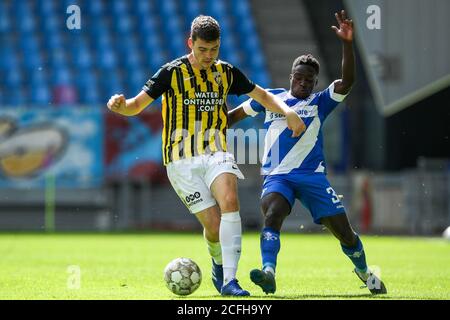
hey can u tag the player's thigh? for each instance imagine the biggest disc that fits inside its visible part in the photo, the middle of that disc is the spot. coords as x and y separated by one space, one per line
317 195
187 181
221 176
277 195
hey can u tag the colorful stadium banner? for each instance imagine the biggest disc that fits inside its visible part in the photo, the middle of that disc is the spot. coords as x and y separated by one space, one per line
64 143
133 147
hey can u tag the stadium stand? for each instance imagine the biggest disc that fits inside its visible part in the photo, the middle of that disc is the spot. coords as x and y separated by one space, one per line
121 43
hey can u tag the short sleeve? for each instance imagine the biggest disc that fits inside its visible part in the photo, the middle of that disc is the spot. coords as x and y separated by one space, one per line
241 84
252 107
329 100
158 83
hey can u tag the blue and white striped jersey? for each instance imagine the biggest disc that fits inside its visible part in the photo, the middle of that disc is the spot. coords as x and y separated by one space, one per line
284 154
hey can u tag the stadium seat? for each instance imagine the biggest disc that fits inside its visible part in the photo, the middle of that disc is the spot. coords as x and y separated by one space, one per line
13 78
16 97
95 9
5 22
8 58
40 94
61 76
47 9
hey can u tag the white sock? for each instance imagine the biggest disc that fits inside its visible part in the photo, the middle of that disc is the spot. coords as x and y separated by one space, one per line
230 234
269 269
214 249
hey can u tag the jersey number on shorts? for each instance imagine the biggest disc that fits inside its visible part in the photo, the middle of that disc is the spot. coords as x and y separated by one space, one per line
334 197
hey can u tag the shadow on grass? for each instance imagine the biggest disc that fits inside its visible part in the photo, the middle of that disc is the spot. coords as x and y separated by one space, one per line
324 296
306 297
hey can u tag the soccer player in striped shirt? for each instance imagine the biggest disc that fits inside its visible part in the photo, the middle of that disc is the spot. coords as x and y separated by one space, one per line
294 167
194 89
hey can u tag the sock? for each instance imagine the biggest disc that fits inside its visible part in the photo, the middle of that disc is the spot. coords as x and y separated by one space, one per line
230 234
356 255
214 250
270 246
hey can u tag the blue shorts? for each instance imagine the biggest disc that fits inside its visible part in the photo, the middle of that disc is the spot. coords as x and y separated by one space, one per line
312 189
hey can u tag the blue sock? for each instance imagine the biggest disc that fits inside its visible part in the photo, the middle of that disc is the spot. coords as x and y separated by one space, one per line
270 246
357 255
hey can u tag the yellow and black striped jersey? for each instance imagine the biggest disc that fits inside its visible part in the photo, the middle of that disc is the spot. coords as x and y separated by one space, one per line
194 107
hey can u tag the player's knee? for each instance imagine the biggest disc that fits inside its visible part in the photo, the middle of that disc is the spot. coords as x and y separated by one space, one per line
229 202
274 219
349 239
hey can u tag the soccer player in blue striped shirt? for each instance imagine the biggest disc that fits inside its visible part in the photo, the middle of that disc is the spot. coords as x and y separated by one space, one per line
294 168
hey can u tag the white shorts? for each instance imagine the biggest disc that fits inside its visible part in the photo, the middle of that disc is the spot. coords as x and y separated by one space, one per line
192 178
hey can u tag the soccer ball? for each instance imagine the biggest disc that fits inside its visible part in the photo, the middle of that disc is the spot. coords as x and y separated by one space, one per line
182 276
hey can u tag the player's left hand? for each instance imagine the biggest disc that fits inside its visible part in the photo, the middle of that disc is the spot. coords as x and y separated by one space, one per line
345 30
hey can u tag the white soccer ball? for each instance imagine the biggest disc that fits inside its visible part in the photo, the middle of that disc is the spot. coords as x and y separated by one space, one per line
182 276
446 233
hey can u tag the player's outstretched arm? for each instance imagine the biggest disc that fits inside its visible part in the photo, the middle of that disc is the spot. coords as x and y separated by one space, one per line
275 104
236 115
345 34
129 107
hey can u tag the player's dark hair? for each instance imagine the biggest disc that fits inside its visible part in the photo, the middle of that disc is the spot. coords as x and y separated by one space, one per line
205 28
307 59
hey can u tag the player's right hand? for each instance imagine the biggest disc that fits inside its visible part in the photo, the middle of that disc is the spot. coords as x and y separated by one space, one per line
295 123
117 103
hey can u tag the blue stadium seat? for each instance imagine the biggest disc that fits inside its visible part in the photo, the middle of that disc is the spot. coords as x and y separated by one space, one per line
143 8
133 60
191 9
111 84
33 60
37 77
218 9
82 58
40 94
91 96
147 27
95 9
241 8
8 57
61 76
168 9
119 7
29 43
58 58
47 8
136 79
53 41
16 96
124 26
106 60
13 78
5 22
52 24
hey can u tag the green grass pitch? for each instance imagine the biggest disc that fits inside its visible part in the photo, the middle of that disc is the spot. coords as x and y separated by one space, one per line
130 266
